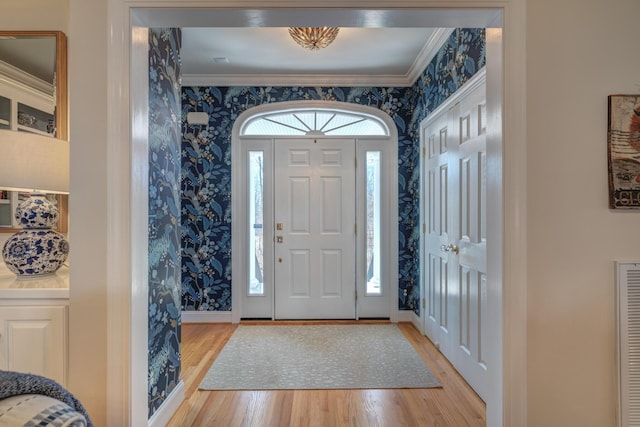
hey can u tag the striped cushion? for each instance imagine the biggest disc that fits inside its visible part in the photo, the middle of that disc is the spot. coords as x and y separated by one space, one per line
34 410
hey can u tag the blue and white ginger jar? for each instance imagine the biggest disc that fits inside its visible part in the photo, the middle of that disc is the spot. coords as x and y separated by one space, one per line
37 212
36 250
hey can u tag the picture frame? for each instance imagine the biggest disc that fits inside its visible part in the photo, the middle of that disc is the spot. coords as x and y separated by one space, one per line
623 146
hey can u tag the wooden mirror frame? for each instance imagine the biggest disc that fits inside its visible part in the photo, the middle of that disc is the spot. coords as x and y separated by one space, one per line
61 108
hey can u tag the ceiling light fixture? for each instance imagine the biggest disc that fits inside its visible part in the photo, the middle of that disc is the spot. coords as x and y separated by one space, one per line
314 38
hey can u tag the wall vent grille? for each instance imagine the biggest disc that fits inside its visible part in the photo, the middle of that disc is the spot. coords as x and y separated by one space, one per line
628 325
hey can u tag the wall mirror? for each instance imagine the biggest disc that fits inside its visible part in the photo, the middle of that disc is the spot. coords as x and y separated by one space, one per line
33 99
33 82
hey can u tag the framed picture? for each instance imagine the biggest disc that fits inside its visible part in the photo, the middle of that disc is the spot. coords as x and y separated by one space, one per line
624 151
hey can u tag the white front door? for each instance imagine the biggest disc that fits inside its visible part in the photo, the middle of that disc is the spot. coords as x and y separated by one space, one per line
455 234
314 214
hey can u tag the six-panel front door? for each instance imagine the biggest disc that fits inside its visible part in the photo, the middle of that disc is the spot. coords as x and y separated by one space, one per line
314 193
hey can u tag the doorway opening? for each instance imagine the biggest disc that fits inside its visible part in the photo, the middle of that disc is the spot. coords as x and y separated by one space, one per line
503 81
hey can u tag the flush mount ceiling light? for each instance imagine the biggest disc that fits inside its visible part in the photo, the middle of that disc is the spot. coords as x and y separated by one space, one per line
314 38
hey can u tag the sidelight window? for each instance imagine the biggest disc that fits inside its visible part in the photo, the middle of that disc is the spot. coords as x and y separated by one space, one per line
256 221
373 223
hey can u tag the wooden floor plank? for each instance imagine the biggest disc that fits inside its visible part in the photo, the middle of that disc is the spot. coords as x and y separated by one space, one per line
455 404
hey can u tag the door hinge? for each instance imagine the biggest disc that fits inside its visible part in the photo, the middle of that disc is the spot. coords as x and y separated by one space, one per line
424 303
355 229
424 151
355 295
424 228
355 162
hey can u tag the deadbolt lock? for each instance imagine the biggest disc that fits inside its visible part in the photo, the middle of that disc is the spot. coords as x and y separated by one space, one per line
279 226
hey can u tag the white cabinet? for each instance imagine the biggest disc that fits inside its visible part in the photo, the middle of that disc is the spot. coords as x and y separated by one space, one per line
33 339
26 103
5 113
8 204
34 323
6 209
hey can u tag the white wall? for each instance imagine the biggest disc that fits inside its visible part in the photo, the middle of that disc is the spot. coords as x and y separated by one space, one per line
578 53
34 15
4 237
87 205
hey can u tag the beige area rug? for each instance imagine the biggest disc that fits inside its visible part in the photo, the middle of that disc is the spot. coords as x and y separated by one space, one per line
318 357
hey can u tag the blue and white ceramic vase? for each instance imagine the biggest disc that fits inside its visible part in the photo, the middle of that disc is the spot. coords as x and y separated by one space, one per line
37 212
36 250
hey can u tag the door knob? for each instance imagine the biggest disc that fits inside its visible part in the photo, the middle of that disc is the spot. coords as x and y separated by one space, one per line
279 239
450 248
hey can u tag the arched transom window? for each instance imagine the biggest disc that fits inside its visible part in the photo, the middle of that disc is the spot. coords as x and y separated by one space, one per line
316 121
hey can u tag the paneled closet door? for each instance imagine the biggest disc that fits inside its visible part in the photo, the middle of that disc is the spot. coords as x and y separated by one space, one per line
454 164
439 274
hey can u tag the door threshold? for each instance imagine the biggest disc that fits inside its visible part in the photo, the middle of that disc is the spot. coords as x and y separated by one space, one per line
314 321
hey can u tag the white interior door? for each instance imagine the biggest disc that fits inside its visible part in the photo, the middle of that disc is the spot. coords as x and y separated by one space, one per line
455 234
314 213
469 355
438 234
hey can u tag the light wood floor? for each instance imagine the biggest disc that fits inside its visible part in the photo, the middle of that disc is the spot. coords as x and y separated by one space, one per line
455 404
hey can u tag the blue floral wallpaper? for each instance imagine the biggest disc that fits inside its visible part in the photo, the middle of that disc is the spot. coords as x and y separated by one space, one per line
457 61
459 58
206 165
164 214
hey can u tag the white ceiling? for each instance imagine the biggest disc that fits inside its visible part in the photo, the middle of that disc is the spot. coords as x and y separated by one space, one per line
35 55
373 48
269 54
377 47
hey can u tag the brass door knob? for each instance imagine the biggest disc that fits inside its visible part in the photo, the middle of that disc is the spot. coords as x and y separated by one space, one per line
450 248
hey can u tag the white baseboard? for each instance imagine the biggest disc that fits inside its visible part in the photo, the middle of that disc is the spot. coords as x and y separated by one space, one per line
417 322
225 317
404 315
206 317
169 407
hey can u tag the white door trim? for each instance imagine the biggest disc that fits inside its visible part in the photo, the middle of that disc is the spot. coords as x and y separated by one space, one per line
239 147
506 86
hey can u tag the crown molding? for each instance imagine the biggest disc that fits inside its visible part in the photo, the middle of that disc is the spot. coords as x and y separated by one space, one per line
295 80
26 80
428 52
